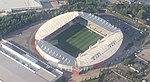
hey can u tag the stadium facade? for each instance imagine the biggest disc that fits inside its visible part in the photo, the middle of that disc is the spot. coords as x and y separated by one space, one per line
96 54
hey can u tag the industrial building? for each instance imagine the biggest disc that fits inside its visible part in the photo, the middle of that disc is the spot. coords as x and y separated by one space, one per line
16 65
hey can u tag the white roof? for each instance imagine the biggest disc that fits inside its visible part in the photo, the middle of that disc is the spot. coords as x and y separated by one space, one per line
54 52
18 4
54 24
101 51
11 71
18 68
57 22
1 81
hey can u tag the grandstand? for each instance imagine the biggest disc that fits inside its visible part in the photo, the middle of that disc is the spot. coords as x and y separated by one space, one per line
75 39
106 41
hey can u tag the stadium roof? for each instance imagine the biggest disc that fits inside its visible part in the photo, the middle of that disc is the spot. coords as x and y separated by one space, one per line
99 52
60 20
19 4
15 67
56 55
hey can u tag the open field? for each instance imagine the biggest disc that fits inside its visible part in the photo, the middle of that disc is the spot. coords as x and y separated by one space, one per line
75 39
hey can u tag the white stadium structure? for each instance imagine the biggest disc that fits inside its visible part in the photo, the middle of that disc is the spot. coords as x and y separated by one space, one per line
93 56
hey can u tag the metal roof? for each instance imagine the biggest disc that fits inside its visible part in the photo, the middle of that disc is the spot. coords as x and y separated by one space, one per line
55 53
18 4
18 68
113 38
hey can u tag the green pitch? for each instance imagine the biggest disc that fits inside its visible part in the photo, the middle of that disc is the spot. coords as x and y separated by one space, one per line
75 39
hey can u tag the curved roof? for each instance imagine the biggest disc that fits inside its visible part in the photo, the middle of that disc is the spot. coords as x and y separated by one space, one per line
99 52
60 20
54 24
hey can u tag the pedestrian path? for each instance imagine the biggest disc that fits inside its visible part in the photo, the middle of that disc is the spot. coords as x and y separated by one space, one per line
89 75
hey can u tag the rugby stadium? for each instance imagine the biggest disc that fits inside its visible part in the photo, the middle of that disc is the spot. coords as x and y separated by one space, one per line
77 41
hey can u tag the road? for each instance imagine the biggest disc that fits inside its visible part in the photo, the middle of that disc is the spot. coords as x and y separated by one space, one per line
130 32
24 36
122 76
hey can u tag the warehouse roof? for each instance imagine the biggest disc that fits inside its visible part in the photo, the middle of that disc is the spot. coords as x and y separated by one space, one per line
15 67
18 4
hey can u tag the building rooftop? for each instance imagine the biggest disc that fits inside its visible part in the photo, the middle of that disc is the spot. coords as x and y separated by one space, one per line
19 4
15 67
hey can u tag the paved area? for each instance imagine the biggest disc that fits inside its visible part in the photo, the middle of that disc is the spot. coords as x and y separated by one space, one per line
119 74
115 1
130 33
144 54
114 77
90 74
24 36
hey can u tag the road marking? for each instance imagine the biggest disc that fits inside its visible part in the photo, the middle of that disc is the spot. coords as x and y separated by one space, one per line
131 25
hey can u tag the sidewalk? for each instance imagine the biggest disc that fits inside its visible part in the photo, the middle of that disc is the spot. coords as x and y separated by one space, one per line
90 74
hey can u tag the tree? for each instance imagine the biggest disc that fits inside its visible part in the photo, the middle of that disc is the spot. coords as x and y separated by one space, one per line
0 37
16 21
94 2
140 13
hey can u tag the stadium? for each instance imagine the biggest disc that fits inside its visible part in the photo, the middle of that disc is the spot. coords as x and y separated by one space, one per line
77 41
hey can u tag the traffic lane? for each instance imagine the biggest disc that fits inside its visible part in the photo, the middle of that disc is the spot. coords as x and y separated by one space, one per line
25 35
112 18
116 21
127 29
130 33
